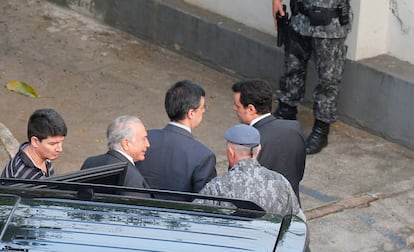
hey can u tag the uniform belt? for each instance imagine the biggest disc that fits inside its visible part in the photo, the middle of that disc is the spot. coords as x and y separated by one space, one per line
318 15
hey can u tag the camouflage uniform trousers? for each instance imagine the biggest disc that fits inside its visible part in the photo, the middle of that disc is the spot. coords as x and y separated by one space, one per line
329 56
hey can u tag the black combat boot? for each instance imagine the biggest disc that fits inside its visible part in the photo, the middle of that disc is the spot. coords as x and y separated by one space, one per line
318 138
285 111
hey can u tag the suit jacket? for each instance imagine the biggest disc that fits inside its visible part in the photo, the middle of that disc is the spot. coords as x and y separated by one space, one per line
283 148
176 161
133 177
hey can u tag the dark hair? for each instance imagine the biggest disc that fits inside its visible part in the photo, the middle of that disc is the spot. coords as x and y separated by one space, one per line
255 92
181 97
44 123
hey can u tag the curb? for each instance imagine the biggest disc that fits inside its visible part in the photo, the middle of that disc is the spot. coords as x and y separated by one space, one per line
8 141
338 206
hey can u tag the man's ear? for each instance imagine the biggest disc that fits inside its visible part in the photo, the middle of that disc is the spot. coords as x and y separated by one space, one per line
34 141
231 155
124 144
191 113
251 108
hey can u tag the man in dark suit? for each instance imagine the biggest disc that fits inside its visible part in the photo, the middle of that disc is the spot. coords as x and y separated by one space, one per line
176 160
283 142
127 142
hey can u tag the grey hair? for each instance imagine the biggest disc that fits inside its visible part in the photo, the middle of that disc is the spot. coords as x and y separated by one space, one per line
119 129
242 150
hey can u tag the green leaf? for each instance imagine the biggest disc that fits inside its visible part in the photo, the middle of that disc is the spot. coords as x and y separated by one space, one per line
22 88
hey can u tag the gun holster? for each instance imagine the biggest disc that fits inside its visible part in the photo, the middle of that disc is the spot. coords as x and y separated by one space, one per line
282 27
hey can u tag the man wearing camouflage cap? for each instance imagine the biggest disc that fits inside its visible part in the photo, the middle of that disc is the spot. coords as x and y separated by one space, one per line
247 179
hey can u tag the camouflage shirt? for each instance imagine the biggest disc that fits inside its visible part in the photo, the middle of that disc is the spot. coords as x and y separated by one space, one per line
250 181
301 23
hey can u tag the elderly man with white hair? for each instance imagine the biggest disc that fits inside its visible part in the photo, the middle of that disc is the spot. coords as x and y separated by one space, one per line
127 142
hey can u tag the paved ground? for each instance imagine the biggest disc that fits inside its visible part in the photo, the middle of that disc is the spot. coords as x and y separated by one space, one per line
358 192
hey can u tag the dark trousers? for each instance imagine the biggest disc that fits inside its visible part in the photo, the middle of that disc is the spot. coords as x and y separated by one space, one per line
329 56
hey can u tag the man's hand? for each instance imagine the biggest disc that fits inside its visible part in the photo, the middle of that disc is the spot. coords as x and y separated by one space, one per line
277 8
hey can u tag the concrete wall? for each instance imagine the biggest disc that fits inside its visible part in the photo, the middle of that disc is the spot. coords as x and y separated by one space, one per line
369 34
380 26
371 97
401 30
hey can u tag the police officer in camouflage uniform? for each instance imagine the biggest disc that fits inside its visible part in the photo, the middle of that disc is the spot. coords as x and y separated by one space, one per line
318 28
247 179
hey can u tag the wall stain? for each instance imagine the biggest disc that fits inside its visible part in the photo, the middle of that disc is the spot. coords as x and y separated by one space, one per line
394 10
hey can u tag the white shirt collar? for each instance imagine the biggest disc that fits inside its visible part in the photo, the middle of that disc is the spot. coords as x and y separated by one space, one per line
258 119
126 155
180 125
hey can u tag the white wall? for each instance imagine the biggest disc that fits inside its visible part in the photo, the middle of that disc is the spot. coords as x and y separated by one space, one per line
254 13
401 29
380 26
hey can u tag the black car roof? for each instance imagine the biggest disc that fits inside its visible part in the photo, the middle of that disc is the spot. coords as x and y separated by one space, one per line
68 225
55 216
